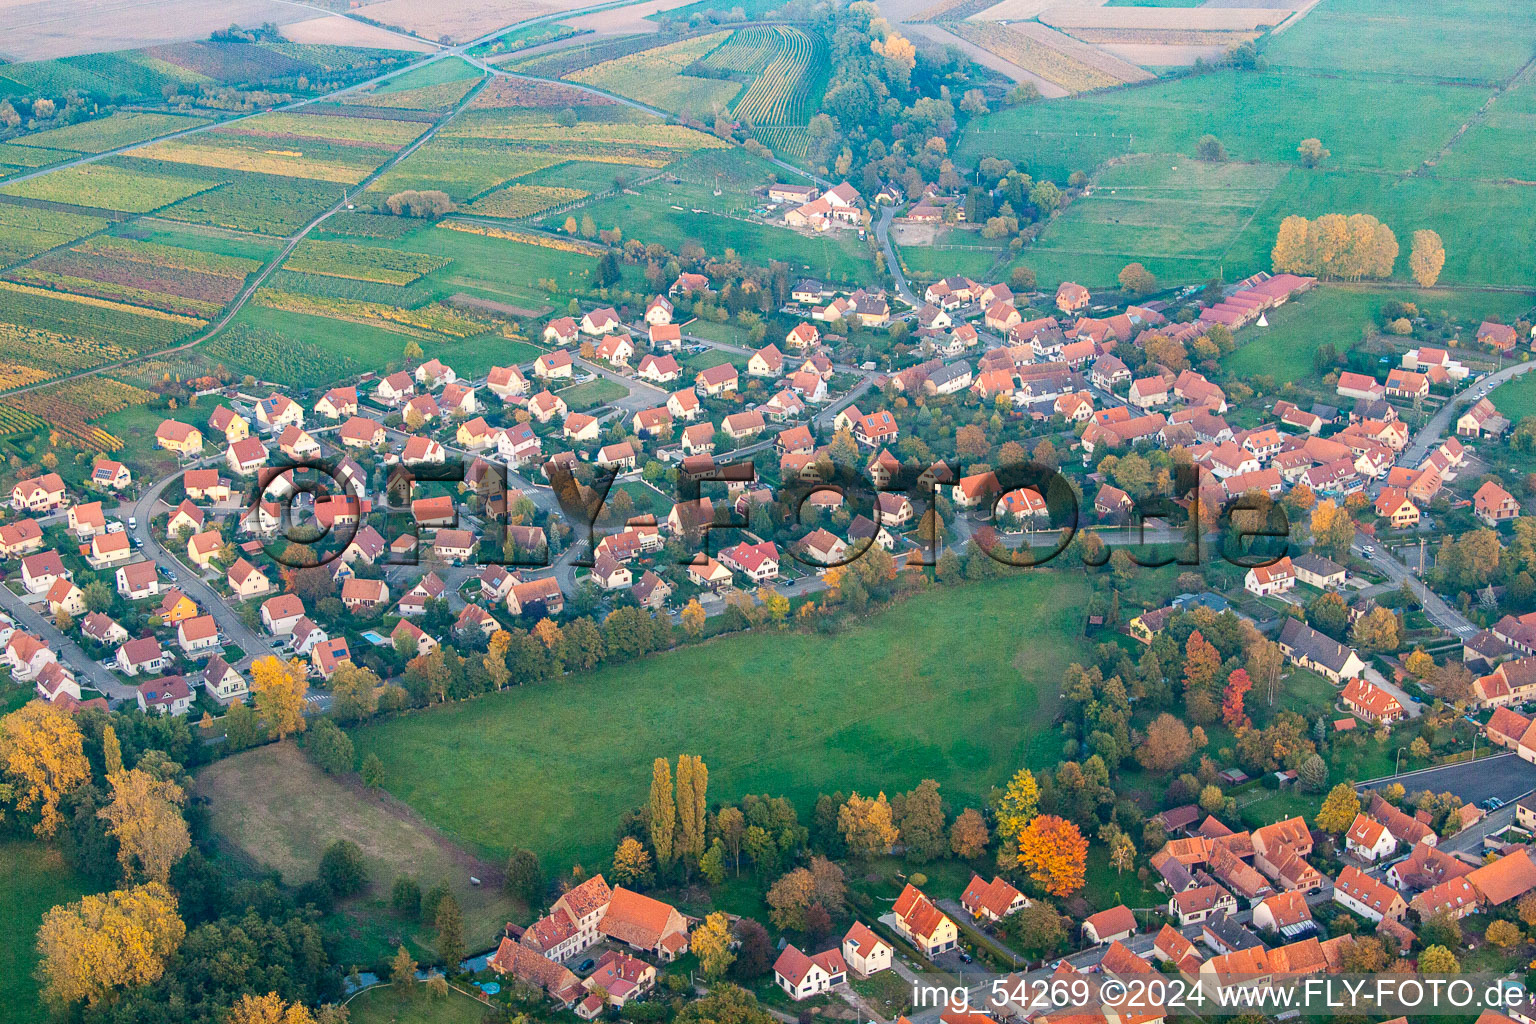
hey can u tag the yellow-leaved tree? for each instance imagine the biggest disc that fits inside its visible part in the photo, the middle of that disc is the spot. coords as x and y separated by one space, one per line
43 759
280 688
268 1009
120 939
145 818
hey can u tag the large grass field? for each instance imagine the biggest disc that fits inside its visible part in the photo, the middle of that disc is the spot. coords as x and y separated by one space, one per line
33 879
674 214
1427 155
953 685
1467 40
273 808
1174 215
1256 115
1336 313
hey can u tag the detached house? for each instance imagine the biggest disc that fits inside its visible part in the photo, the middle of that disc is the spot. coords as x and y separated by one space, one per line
38 494
198 635
716 380
864 951
804 976
39 571
1371 702
245 580
506 382
1494 505
112 475
556 365
141 655
224 420
169 695
1275 578
991 901
1306 647
181 438
923 924
25 536
246 457
138 580
337 402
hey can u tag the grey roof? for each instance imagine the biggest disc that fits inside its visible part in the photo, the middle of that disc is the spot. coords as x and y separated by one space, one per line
1229 934
949 372
1314 646
1317 564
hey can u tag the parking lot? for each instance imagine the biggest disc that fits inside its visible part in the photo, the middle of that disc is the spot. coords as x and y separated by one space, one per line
1504 776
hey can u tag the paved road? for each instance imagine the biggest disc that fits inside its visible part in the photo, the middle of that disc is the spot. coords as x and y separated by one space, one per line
86 670
188 578
892 264
1445 417
1435 607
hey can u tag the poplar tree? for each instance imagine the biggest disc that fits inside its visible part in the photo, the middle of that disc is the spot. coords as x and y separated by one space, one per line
662 814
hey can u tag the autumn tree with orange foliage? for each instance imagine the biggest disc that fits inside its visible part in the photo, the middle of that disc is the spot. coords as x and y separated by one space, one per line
1055 854
1202 664
1233 714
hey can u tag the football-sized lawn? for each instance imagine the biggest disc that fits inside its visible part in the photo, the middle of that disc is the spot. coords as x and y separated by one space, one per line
953 684
33 879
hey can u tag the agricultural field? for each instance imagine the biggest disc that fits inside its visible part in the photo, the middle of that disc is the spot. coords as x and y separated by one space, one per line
891 715
71 406
780 63
162 277
282 348
108 187
87 317
145 72
1016 47
463 168
787 143
341 162
517 201
428 323
658 77
112 132
361 262
26 231
663 212
261 203
33 879
485 149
